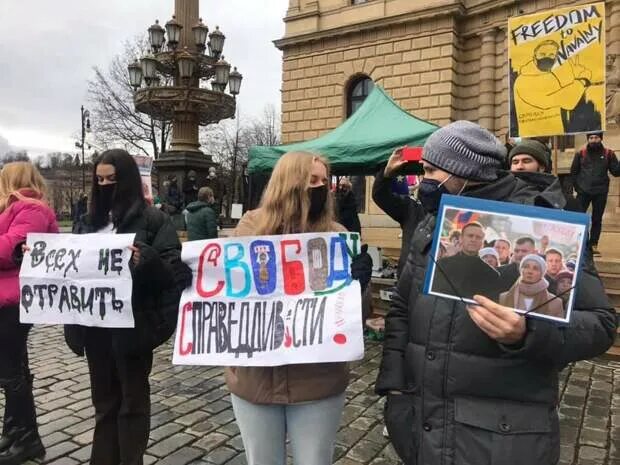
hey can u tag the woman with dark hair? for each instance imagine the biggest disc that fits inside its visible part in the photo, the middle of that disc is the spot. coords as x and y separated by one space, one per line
120 360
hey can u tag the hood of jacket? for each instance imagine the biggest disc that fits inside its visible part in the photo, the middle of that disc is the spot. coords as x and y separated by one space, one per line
506 188
548 186
196 206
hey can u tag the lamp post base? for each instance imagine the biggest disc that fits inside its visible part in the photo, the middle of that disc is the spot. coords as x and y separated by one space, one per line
174 166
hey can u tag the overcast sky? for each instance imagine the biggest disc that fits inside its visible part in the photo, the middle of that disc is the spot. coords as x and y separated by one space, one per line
49 47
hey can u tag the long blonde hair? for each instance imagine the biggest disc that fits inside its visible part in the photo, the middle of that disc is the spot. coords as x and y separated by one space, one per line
20 175
285 203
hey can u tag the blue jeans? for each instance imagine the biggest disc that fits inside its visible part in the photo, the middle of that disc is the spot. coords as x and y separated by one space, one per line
311 427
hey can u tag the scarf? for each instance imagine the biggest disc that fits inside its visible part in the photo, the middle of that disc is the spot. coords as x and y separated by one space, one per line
525 290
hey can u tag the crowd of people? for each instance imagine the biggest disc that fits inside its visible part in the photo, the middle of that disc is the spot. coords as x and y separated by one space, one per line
468 264
464 382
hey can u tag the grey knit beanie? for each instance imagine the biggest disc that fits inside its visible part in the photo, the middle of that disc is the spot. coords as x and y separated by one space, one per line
533 148
466 150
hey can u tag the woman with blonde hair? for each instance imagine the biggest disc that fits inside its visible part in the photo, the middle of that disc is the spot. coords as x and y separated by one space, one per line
23 210
303 401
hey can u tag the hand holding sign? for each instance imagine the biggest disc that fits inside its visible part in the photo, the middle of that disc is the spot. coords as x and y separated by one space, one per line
77 279
272 300
498 322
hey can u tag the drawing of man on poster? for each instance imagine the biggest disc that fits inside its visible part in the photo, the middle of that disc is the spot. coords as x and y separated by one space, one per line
542 89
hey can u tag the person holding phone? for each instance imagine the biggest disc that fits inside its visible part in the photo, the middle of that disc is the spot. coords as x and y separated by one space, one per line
407 212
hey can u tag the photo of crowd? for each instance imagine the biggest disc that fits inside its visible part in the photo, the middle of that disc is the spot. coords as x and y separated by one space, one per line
520 262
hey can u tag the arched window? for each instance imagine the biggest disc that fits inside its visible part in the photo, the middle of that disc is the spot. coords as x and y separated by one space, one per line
359 89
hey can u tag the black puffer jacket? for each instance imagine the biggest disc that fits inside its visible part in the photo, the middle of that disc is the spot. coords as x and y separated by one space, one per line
404 210
158 281
590 170
470 400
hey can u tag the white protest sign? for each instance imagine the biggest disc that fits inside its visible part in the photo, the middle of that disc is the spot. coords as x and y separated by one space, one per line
77 279
269 301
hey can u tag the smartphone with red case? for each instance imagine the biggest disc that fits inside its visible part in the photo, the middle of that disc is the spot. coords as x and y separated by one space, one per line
412 154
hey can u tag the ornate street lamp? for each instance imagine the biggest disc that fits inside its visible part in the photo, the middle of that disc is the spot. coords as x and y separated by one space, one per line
234 82
222 73
156 36
173 30
200 35
149 68
135 74
216 42
186 62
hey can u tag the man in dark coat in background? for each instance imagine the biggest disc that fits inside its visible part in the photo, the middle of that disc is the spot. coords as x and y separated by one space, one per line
346 207
478 384
589 171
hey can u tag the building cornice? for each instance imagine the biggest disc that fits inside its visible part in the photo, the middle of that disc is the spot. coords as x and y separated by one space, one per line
452 10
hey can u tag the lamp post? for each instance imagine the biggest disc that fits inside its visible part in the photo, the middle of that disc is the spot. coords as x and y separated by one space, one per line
85 114
180 52
184 52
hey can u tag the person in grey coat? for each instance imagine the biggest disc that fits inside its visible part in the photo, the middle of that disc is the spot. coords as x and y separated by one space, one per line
478 384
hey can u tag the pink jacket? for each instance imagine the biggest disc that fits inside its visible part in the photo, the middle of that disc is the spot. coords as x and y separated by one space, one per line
16 221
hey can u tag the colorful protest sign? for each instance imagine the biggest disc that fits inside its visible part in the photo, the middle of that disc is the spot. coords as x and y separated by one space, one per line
269 301
145 165
77 279
557 71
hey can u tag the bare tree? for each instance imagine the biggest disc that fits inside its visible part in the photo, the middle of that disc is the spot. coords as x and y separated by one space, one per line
11 156
229 144
114 119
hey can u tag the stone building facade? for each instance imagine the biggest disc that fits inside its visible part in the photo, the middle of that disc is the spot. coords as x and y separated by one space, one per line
441 60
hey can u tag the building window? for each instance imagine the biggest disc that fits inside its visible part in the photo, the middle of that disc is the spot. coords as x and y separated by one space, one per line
358 2
358 91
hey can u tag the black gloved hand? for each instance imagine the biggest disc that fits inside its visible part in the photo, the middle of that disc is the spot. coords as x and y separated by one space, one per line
361 267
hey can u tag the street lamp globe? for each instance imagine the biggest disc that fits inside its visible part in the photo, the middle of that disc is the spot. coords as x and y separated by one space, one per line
222 73
234 82
135 74
200 34
173 30
156 36
186 64
216 42
149 67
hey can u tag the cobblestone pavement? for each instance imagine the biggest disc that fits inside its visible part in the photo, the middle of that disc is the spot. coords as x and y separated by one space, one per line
192 419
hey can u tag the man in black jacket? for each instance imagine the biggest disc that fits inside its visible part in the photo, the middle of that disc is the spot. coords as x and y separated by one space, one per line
591 180
346 206
478 384
465 274
406 211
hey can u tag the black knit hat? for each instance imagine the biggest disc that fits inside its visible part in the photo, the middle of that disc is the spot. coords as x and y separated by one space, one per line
535 149
599 133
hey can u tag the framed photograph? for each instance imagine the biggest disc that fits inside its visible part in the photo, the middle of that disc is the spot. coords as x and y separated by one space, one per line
523 257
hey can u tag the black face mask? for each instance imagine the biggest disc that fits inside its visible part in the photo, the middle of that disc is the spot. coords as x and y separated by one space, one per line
318 198
430 192
545 64
106 197
595 146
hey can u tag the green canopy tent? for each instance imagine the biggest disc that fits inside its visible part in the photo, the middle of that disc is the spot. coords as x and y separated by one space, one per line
360 144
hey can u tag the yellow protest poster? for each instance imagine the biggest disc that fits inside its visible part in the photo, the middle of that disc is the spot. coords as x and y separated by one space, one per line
557 71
